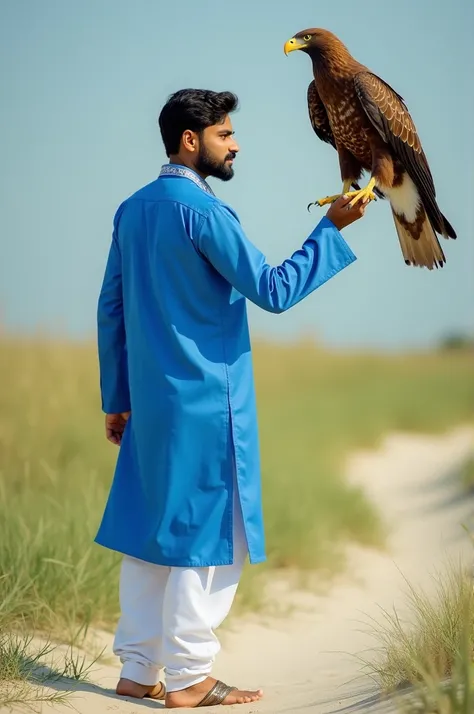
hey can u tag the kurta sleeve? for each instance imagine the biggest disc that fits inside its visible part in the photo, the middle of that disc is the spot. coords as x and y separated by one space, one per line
222 241
112 345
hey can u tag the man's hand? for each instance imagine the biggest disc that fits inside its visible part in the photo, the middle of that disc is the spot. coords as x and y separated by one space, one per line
342 215
115 426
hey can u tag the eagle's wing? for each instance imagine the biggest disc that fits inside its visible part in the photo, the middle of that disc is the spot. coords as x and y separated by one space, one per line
389 114
318 116
320 123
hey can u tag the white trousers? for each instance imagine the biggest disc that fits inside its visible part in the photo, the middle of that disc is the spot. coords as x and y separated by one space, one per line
168 616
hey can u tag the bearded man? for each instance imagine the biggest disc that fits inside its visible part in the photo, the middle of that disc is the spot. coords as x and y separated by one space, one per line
177 389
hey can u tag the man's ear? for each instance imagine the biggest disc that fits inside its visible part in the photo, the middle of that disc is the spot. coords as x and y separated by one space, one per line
189 140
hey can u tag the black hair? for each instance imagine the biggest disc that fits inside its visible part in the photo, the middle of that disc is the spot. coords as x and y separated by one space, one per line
193 109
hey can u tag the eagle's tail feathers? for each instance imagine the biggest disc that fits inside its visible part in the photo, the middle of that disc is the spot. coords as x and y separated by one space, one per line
448 231
418 241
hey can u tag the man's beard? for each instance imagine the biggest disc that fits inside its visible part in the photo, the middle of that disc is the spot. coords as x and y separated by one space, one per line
208 166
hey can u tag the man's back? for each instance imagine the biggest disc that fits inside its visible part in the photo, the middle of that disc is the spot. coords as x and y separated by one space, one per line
177 307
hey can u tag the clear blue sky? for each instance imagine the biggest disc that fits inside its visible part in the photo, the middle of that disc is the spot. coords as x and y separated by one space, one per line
82 83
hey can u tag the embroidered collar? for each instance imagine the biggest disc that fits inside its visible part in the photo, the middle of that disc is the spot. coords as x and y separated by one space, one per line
175 170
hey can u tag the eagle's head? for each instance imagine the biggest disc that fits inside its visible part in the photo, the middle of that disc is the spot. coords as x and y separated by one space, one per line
315 42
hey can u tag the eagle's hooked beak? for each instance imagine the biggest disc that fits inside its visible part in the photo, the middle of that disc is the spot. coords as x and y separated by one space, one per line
292 45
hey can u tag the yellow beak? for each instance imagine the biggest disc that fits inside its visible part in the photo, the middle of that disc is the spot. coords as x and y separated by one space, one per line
292 45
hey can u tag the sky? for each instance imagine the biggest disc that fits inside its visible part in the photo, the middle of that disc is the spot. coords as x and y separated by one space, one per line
81 86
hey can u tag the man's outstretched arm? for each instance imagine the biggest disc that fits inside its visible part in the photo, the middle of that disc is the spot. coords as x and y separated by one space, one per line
324 253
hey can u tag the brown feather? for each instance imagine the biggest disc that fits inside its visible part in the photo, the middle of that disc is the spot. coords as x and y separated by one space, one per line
350 167
369 123
389 115
371 88
419 244
318 116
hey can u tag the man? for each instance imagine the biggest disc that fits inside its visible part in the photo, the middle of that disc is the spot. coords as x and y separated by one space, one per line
177 388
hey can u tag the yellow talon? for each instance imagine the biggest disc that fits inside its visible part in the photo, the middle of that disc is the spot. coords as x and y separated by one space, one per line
363 193
326 201
356 195
330 199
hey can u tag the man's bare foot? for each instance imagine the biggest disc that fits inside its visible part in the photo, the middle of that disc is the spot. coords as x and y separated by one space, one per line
127 688
192 696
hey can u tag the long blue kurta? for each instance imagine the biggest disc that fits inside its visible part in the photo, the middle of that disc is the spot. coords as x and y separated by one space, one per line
174 349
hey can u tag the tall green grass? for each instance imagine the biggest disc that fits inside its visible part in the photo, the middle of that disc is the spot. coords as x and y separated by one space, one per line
314 407
428 656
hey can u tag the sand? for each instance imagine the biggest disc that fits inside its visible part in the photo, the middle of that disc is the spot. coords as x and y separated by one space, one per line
307 660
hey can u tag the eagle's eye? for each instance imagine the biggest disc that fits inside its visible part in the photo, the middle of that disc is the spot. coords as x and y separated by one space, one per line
307 38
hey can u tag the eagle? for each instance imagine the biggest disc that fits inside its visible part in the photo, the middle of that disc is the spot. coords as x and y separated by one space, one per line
369 125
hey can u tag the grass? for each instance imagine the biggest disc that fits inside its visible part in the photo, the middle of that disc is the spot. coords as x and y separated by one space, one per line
430 655
467 476
314 407
429 641
28 674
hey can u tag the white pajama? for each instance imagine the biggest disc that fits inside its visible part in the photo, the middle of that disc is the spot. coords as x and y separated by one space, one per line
168 616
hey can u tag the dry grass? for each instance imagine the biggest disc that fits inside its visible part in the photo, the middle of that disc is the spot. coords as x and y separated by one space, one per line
28 672
314 407
430 654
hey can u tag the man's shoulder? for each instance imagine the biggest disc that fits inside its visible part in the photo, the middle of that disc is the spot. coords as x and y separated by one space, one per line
178 191
222 211
146 193
183 193
150 192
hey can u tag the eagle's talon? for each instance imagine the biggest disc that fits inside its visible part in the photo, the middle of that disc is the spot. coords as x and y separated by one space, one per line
314 203
325 201
355 195
363 193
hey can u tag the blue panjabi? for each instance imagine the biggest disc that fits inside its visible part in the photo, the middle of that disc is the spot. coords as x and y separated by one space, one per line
174 349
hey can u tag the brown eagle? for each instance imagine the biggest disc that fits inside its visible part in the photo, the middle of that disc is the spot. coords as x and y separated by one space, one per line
369 125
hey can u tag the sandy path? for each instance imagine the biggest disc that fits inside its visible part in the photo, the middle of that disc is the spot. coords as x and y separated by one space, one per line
304 662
